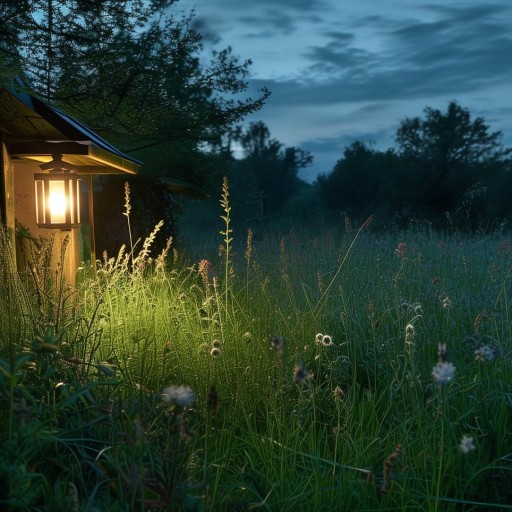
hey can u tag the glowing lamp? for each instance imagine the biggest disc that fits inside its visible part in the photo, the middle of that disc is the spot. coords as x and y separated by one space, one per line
57 195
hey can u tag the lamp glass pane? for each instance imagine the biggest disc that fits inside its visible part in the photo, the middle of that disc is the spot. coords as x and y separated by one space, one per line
58 202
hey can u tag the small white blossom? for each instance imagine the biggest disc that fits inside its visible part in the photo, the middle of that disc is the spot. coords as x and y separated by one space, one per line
443 373
486 353
180 395
466 444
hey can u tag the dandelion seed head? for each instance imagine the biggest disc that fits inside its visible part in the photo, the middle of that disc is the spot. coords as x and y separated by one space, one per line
443 373
180 395
466 444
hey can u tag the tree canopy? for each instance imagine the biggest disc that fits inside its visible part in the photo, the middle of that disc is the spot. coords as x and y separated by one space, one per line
134 71
446 167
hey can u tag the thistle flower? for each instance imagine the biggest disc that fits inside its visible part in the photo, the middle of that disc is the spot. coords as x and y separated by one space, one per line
299 374
180 395
443 373
466 444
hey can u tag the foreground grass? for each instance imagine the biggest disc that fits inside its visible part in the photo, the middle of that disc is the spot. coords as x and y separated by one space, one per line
205 386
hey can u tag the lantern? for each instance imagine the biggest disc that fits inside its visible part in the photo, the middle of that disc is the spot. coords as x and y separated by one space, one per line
57 195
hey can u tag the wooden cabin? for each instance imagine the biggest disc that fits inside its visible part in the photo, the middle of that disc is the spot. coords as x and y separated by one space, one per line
44 153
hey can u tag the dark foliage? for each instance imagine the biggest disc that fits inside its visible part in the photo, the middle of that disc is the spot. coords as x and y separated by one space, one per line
447 169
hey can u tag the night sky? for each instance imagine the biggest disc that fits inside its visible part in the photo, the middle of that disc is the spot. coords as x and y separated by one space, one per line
345 70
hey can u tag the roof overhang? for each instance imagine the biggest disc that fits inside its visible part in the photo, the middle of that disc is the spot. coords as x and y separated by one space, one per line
35 130
84 156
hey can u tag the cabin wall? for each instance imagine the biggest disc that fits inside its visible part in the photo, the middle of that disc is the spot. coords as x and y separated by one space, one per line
24 204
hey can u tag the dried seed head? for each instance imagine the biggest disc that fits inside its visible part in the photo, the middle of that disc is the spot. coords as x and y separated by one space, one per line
215 351
338 394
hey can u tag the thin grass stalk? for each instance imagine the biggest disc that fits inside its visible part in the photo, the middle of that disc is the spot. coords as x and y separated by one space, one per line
325 293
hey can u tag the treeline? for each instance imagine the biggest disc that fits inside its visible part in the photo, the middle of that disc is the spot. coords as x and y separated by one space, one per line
447 169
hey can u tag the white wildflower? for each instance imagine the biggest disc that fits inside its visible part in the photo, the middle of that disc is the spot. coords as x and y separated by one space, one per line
180 395
443 373
466 444
486 353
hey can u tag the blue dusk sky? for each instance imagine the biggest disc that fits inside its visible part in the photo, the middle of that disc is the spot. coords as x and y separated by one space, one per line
345 70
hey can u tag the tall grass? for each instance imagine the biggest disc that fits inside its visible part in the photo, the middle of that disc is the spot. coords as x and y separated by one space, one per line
290 371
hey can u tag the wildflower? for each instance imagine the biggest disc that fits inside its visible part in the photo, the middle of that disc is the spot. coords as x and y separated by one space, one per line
327 341
215 351
401 250
410 332
466 444
299 374
318 338
180 395
216 343
338 393
445 301
486 353
443 373
203 269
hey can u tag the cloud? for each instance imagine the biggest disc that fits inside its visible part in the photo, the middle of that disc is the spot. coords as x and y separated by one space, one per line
338 74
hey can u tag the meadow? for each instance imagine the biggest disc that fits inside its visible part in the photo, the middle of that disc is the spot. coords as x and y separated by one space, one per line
329 370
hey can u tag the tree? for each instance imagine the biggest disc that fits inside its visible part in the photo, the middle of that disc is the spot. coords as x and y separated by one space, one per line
445 158
355 184
268 171
134 71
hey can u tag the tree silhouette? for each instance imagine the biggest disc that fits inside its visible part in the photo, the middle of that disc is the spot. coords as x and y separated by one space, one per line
445 158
